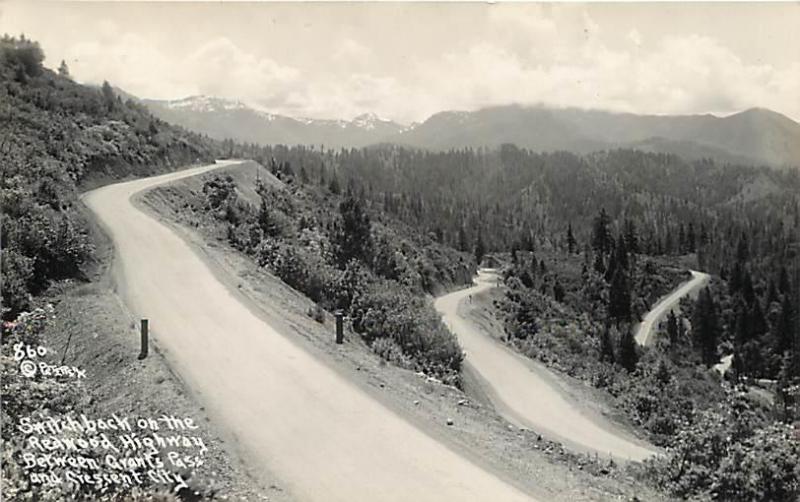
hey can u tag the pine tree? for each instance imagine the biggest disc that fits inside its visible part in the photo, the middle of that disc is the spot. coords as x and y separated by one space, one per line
621 253
265 220
599 266
663 375
463 242
480 249
691 239
353 239
783 282
334 186
572 244
558 292
627 355
619 297
705 327
63 69
601 238
108 95
606 345
672 328
785 328
631 237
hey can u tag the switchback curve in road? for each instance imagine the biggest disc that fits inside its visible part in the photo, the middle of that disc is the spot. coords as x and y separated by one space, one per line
526 394
325 438
644 333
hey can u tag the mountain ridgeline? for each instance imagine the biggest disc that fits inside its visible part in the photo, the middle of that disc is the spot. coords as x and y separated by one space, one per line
755 136
223 119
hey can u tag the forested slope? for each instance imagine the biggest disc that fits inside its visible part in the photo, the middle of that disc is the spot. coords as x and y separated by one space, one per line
56 136
329 243
589 243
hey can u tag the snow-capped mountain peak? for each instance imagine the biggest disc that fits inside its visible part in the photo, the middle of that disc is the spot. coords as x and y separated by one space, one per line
205 104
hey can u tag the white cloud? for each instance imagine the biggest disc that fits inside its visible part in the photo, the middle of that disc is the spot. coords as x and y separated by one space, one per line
223 69
561 55
351 53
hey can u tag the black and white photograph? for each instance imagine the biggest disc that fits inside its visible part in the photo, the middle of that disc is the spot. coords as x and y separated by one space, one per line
399 251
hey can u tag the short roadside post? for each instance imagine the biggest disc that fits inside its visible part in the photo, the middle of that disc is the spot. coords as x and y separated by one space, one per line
144 331
339 326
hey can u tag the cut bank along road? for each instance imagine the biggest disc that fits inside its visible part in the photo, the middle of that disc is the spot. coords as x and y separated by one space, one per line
644 334
527 394
325 438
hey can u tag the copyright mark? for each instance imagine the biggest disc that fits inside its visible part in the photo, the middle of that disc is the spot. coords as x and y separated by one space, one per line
27 368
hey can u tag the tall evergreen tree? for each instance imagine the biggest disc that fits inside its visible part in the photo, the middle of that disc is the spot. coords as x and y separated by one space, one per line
785 328
626 354
599 265
672 328
572 244
334 186
558 292
631 237
353 238
480 249
63 69
109 97
601 237
705 327
606 345
619 297
463 241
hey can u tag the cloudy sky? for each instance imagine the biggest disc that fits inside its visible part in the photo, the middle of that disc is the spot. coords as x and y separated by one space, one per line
407 61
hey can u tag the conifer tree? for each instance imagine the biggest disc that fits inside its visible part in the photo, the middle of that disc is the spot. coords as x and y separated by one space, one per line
631 237
601 238
353 238
626 354
572 244
558 292
705 327
619 297
463 242
480 249
606 345
63 69
672 328
334 186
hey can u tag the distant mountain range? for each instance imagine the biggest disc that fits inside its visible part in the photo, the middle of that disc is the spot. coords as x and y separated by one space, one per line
755 136
223 119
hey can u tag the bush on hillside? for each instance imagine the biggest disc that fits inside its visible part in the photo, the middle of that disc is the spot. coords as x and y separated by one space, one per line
728 454
57 136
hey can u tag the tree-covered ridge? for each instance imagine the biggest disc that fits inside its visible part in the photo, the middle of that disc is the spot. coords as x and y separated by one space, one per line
738 222
56 135
510 194
591 241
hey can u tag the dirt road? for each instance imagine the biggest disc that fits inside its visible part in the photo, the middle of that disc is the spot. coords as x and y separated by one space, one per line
528 395
644 333
325 438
